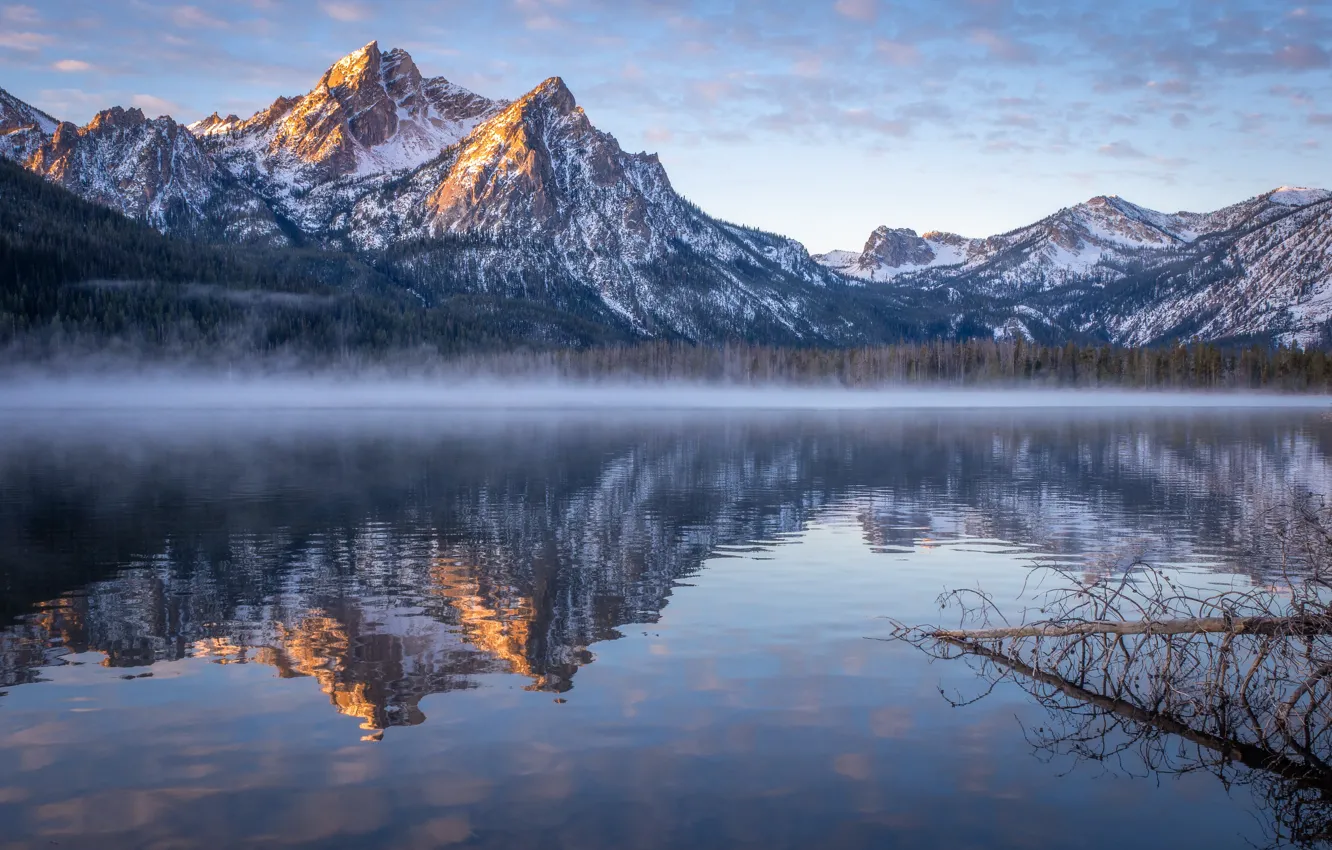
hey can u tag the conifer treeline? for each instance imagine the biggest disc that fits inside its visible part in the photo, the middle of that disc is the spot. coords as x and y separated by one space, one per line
969 363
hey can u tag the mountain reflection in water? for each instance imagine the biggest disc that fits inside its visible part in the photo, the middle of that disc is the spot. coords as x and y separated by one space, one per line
394 558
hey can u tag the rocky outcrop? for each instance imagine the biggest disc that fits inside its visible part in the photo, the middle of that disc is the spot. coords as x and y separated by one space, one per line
156 171
23 128
898 247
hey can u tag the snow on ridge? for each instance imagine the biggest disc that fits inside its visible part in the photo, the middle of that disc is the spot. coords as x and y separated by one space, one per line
1298 196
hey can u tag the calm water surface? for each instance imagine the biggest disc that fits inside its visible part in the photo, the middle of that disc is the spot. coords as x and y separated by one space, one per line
426 630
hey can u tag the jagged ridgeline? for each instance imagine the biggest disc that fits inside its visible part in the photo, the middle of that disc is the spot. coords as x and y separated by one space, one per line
445 193
424 214
1109 269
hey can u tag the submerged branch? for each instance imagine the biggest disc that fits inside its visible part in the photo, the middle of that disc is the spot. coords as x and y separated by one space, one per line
1247 754
1299 626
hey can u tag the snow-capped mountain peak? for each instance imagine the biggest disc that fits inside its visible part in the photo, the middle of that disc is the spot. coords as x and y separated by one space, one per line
369 114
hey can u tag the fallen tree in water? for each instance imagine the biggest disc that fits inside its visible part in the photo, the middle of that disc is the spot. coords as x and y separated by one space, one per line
1268 626
1138 671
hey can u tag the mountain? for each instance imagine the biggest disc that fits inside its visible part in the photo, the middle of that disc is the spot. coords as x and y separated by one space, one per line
1110 269
448 195
451 193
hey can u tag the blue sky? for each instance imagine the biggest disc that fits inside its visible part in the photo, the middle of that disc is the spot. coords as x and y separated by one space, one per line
821 119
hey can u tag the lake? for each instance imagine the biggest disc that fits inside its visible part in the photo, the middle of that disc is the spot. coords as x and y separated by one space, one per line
600 630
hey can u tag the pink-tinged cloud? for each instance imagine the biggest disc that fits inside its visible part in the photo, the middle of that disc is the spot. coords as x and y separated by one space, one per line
1120 150
869 120
1302 57
21 15
345 12
26 41
713 90
898 53
542 22
71 66
1001 46
857 10
154 105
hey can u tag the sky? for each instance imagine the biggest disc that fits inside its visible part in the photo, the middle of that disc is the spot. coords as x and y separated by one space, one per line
819 119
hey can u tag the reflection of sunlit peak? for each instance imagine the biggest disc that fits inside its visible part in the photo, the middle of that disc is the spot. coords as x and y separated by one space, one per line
318 646
502 630
220 650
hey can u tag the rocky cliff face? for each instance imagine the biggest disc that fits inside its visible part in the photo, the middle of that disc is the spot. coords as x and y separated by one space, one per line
153 170
23 128
148 169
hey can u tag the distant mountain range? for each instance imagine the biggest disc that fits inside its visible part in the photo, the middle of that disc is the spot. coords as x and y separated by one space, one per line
1114 270
447 193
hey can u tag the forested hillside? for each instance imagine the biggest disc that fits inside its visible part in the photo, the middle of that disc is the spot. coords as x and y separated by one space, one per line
77 277
971 363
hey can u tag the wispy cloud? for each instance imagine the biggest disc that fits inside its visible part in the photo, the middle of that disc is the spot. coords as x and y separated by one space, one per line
21 14
72 103
1120 150
857 10
898 53
1002 46
71 66
154 105
1302 57
25 41
345 12
192 17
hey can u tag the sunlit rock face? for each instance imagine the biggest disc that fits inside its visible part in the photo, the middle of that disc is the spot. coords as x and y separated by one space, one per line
23 128
370 113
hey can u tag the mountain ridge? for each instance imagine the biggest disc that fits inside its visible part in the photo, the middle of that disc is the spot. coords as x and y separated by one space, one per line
453 193
1242 271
